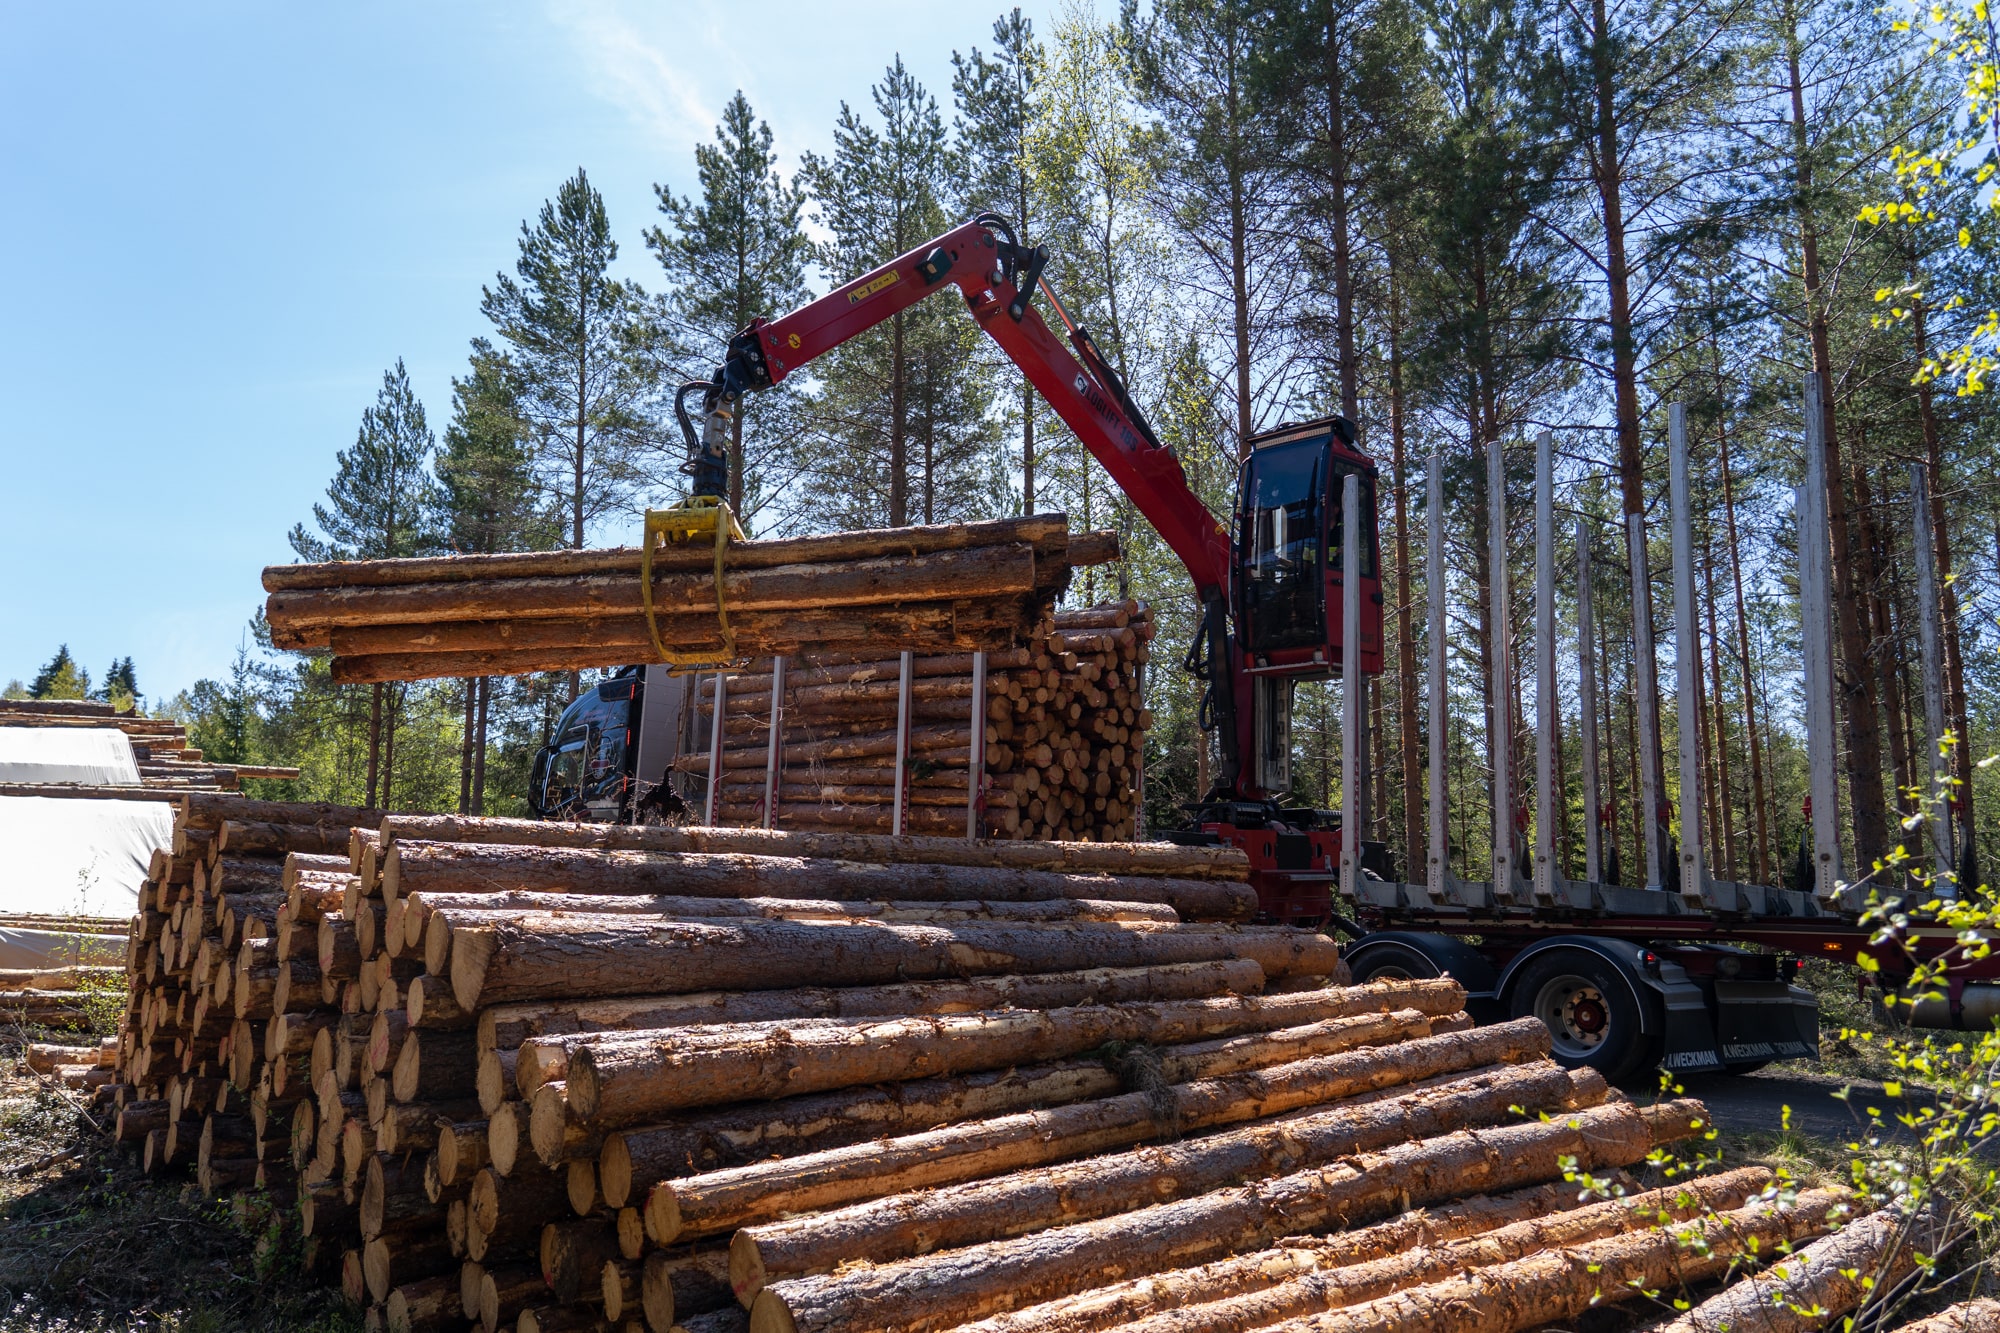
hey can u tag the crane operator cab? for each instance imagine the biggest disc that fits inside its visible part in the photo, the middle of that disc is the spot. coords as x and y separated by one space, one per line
1290 586
612 750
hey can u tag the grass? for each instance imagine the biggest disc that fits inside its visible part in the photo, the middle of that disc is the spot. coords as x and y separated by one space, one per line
90 1244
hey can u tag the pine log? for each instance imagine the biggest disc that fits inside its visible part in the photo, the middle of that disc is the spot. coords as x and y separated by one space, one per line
559 637
432 1302
1817 1285
992 571
624 1077
507 1026
461 1149
675 1287
1125 859
479 868
264 838
429 1003
533 1192
393 1195
939 1291
1045 531
1562 1284
1027 1201
435 1066
499 962
1271 1286
504 1292
718 1201
391 1261
1981 1315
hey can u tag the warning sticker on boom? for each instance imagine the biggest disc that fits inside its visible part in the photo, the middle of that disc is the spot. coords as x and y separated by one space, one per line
873 285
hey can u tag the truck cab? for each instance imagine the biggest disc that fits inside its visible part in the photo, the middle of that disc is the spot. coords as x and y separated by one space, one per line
612 751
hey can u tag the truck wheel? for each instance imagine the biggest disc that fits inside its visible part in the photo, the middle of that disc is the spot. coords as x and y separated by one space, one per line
1391 960
1588 1009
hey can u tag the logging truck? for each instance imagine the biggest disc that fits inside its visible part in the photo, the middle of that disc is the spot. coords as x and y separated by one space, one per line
1692 973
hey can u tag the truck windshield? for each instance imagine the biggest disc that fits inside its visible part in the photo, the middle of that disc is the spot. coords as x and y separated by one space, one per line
1283 532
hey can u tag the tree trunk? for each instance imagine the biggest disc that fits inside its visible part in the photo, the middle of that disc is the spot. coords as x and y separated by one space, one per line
1720 749
1767 865
479 751
505 1027
467 740
1416 1248
1814 1286
414 866
374 744
1029 1201
1884 650
1941 537
918 1296
620 1080
722 1201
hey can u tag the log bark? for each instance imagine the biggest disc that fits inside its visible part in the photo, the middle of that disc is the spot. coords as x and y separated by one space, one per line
1029 1201
387 1263
574 1253
505 1292
506 1026
435 1066
1126 859
937 1291
462 1150
1815 1286
430 1303
392 1195
1975 1316
509 961
618 1082
720 1201
1272 1286
265 838
924 620
476 868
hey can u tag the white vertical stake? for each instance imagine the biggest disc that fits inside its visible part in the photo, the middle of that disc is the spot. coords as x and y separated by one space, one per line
775 745
1816 610
1586 633
1692 877
1351 776
975 778
1437 877
714 754
1546 703
1646 665
897 813
1500 740
1930 639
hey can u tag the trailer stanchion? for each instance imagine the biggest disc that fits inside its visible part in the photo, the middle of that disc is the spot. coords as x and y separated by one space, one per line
1692 873
899 793
1586 633
1929 638
1646 665
774 745
975 784
714 753
1437 881
1816 612
1547 874
1499 735
1351 777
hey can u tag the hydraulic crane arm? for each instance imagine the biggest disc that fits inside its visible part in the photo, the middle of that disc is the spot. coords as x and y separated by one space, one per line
997 277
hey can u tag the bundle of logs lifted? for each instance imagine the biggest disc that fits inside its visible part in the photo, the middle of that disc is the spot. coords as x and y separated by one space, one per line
947 588
1060 738
549 1077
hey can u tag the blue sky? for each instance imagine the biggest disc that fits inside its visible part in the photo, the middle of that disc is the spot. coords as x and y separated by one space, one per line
223 222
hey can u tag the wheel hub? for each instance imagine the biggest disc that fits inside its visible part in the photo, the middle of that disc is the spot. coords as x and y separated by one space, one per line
1576 1014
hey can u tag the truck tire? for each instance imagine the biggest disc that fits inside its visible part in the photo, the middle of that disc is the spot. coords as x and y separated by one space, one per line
1589 1010
1392 960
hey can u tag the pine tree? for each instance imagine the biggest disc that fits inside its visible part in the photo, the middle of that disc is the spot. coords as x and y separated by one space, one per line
903 397
577 345
735 254
121 685
380 506
996 102
60 678
487 501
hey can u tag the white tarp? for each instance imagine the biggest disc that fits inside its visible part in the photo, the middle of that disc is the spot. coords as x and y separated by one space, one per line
67 856
96 756
34 947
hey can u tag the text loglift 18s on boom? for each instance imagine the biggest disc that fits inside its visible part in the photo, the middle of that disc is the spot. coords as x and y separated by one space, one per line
1274 600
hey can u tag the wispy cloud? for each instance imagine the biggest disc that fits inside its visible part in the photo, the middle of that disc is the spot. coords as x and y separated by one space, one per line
635 70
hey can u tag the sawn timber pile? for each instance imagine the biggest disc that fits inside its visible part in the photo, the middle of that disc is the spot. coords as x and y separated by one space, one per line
555 1076
934 589
1060 748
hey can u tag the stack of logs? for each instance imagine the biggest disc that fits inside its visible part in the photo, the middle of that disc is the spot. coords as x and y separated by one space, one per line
159 745
940 589
1064 737
591 1077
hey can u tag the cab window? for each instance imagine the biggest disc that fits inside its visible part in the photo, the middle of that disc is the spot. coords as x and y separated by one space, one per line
1336 519
1283 539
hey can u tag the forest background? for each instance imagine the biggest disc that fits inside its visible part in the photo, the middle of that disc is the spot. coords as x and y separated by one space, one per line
1452 223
